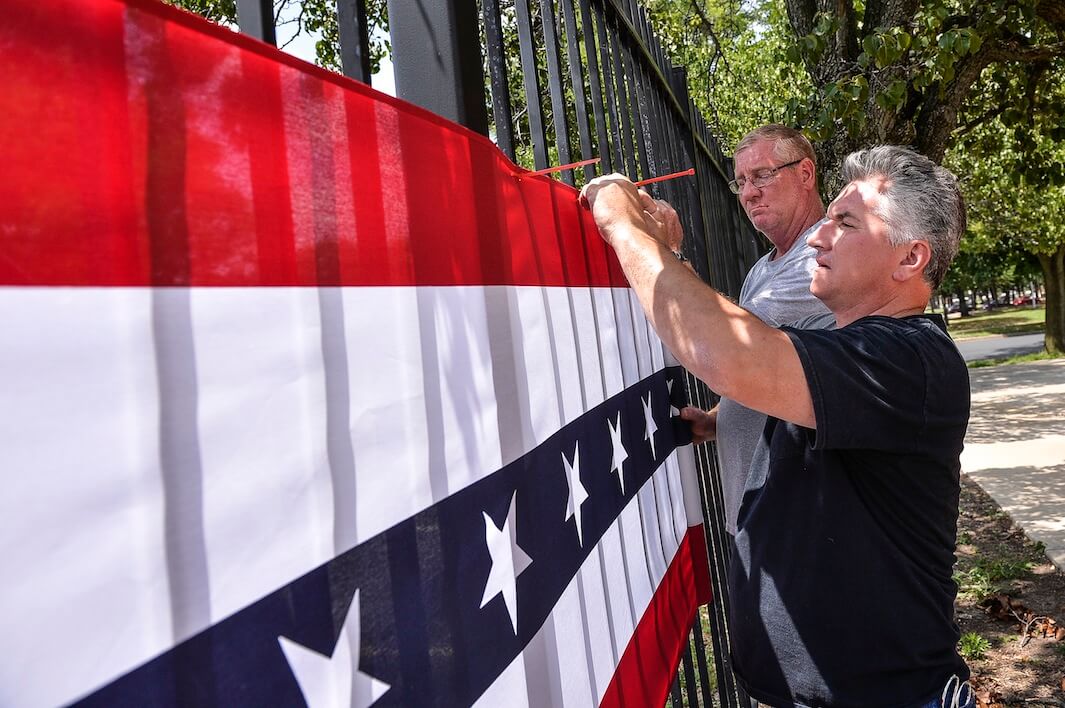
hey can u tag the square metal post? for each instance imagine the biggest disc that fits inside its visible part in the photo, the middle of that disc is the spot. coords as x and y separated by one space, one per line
256 18
437 58
354 39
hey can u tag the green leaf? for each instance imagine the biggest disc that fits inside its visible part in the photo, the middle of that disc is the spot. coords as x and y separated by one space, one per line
961 44
871 44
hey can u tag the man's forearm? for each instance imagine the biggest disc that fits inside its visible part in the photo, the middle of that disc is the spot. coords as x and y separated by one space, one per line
726 346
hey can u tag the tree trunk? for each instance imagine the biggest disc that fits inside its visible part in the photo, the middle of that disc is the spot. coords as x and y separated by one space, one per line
1054 285
963 303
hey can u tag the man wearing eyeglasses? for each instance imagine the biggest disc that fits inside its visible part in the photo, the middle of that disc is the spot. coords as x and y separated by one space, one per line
776 182
840 583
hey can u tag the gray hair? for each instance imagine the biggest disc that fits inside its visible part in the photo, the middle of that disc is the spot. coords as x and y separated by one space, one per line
921 201
788 143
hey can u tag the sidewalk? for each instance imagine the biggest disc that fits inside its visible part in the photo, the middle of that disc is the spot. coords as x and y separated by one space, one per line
1015 447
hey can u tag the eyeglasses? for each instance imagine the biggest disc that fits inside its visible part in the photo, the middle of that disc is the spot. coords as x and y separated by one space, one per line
760 178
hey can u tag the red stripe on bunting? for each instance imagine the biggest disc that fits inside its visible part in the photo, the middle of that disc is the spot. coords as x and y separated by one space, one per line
647 667
146 146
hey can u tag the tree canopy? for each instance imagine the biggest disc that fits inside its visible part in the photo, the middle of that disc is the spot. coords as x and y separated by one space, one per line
975 84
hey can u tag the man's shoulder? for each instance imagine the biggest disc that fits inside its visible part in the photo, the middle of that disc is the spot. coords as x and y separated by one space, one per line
924 336
878 334
929 326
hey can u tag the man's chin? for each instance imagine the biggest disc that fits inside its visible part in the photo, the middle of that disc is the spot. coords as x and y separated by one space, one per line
761 220
819 290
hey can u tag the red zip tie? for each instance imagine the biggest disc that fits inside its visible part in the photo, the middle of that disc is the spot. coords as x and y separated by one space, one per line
570 166
663 178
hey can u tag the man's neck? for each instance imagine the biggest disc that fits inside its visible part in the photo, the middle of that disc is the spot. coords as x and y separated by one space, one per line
803 220
900 305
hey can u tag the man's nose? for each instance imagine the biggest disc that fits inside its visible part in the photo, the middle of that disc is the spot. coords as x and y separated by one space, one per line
748 190
819 238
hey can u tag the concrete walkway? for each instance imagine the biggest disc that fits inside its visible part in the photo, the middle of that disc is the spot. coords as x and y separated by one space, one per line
1015 446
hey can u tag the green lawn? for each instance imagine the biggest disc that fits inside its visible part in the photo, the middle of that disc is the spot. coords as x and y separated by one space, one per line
1018 359
1009 320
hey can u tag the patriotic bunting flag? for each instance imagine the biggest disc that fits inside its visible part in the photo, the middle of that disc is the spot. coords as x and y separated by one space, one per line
312 397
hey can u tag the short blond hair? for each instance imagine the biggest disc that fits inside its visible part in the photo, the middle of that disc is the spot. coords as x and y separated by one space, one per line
788 144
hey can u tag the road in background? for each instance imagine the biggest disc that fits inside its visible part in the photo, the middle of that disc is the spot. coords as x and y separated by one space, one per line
1000 346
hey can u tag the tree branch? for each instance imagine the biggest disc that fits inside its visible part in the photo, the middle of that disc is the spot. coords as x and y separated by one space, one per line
847 34
708 26
888 13
801 16
1017 49
1052 11
980 120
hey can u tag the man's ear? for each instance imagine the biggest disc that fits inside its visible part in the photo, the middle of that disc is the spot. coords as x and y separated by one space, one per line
809 173
914 258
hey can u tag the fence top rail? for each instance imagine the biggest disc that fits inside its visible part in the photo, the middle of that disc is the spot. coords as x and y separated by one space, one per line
649 59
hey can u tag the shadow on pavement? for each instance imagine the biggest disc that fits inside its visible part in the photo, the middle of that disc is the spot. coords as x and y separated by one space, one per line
1027 415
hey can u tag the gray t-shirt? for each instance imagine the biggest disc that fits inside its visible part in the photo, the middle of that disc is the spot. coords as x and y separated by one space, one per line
778 293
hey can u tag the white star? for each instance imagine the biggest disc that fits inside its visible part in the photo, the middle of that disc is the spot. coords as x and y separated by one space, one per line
508 562
577 493
649 422
620 454
669 387
334 680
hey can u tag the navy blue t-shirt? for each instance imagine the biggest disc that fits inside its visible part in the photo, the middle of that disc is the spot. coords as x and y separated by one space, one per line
840 582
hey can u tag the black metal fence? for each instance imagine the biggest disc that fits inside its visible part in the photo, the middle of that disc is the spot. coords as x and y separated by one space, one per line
553 82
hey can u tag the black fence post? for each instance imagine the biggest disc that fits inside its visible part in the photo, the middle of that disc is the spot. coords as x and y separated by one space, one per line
436 51
256 18
354 39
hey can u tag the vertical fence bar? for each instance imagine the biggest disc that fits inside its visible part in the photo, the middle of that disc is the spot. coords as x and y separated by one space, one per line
674 692
584 131
608 82
700 660
497 71
595 88
639 124
354 38
555 87
527 51
623 96
436 56
256 18
690 688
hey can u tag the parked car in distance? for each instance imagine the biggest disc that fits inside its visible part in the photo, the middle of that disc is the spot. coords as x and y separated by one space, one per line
1022 300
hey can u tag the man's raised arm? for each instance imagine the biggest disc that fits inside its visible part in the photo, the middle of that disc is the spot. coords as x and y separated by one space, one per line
734 352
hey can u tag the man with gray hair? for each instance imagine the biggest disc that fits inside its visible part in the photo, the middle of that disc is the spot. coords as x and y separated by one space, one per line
840 582
776 184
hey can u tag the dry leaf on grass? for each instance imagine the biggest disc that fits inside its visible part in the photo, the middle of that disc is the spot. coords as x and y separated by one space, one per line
1004 607
986 696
